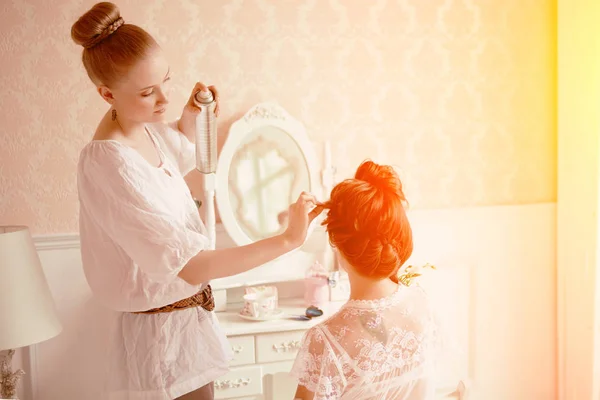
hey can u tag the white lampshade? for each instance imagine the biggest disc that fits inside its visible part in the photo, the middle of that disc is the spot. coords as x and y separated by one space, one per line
27 311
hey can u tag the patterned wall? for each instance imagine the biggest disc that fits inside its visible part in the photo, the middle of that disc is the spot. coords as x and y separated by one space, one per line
460 94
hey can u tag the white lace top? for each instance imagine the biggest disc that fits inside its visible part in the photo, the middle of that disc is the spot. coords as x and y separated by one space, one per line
381 349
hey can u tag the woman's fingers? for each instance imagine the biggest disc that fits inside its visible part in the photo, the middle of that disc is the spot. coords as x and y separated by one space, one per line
215 93
314 213
201 87
307 198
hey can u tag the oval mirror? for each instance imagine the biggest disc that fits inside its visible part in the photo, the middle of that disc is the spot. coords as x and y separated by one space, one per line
266 162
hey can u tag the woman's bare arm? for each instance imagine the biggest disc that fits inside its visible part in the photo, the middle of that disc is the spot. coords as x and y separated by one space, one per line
214 264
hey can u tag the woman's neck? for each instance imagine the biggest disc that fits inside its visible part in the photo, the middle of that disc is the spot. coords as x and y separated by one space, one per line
362 288
131 130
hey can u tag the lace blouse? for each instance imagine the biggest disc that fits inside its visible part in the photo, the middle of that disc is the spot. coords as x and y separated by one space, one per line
380 349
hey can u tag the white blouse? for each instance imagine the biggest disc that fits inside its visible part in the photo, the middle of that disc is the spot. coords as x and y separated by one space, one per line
372 350
139 226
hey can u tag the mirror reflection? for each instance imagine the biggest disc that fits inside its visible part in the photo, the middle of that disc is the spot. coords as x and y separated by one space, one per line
267 173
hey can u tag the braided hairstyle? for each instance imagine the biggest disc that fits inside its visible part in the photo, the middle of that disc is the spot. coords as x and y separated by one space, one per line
367 221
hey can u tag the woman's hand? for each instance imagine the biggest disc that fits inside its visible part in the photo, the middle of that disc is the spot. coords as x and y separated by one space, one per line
300 215
187 122
282 218
201 87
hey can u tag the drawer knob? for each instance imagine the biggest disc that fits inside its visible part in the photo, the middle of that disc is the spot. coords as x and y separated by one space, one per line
237 349
287 346
232 384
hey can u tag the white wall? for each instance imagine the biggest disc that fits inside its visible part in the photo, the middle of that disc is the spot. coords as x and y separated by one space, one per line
578 199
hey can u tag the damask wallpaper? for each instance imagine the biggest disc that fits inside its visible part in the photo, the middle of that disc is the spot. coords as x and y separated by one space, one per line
459 94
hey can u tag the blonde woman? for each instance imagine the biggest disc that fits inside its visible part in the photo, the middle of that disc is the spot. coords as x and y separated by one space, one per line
142 241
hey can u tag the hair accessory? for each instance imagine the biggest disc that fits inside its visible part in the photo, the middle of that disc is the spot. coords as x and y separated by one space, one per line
112 28
411 272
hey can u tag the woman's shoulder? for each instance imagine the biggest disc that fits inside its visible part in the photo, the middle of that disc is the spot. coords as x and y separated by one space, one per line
105 151
106 146
315 334
105 160
416 291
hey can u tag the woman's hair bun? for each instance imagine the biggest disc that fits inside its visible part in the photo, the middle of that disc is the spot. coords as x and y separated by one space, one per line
380 176
96 24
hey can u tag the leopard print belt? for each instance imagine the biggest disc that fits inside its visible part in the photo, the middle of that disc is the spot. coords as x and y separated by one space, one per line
203 298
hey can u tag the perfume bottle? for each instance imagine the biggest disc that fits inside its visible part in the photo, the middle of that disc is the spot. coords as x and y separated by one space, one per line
316 285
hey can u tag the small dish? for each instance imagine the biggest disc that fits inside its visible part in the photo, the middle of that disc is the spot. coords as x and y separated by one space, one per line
276 314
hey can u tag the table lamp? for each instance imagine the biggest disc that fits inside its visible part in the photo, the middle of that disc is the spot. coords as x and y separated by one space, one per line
27 311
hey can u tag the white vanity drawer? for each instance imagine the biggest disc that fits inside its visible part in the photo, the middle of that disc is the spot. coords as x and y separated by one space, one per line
243 350
278 346
239 382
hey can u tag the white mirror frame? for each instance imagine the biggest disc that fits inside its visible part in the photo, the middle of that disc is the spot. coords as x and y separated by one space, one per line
260 115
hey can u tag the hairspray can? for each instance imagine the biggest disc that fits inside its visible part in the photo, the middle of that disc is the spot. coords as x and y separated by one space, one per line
206 156
206 133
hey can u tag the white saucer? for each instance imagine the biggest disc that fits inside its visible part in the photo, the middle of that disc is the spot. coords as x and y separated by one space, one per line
277 314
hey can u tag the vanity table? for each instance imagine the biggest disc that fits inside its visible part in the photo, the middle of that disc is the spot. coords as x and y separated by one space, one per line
264 165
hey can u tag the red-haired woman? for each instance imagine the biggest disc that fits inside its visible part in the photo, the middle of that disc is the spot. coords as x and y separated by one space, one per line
380 344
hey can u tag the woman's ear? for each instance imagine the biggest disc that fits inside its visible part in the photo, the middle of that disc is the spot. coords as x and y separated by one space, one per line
106 94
